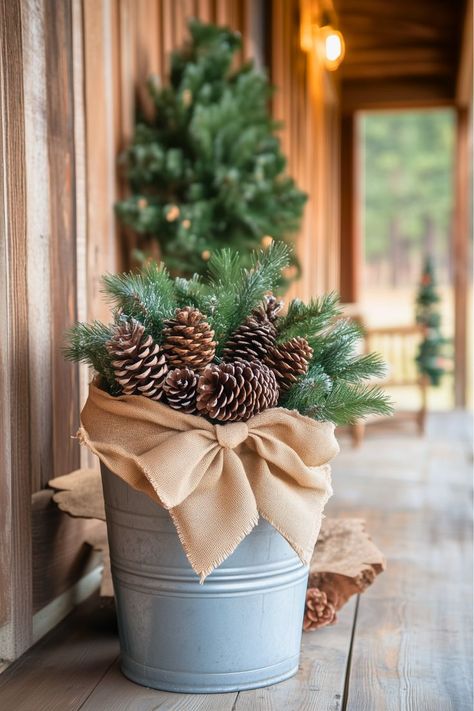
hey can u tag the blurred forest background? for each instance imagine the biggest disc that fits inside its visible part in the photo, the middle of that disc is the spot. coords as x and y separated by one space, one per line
407 200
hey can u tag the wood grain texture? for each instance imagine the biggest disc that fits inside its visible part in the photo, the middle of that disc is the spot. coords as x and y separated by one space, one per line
319 684
38 240
60 555
15 480
63 282
413 640
306 101
118 693
462 227
399 51
60 671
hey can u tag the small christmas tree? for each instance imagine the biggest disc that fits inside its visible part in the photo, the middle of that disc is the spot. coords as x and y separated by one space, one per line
207 171
430 359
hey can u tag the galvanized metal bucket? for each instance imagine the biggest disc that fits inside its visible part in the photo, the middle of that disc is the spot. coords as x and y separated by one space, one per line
241 629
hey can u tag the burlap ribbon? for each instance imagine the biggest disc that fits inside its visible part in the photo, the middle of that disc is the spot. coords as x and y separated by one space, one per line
217 479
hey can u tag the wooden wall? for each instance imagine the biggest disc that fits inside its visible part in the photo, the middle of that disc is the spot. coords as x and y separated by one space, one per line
308 104
71 72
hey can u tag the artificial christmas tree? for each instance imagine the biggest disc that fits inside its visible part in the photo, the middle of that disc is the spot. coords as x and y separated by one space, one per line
430 359
207 171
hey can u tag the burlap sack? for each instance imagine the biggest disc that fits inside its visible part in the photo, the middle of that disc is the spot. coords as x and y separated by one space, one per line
217 479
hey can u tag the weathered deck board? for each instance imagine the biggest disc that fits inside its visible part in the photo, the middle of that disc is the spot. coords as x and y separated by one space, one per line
319 684
116 693
413 640
59 673
411 647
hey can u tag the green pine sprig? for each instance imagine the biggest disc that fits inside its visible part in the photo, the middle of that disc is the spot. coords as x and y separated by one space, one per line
148 296
85 343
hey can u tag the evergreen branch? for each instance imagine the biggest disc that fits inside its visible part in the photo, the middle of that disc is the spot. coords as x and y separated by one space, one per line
334 347
86 344
347 403
306 320
190 292
148 296
359 368
236 291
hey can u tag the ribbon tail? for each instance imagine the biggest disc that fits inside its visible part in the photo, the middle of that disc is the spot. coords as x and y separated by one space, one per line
299 519
216 516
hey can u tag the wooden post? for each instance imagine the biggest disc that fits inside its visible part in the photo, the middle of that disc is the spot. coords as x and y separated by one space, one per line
350 257
461 256
15 480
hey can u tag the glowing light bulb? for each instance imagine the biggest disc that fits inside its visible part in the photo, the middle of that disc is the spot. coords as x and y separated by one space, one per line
333 43
333 47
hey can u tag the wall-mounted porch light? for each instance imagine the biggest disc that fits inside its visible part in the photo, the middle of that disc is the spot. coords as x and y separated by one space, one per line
317 34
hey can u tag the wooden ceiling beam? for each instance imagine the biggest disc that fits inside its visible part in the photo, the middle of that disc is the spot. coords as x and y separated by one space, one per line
380 93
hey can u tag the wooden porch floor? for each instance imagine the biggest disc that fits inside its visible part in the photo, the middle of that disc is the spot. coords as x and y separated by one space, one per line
406 644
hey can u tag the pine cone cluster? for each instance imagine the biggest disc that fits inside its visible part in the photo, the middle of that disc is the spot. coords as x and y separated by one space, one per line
289 361
139 365
188 339
319 611
180 388
255 369
232 392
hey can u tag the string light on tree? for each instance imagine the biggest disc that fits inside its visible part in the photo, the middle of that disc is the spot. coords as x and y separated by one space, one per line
172 213
186 224
267 240
206 255
142 203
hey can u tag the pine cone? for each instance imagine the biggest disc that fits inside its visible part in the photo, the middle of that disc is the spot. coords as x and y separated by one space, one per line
139 365
180 388
234 392
269 308
188 340
319 611
289 361
253 338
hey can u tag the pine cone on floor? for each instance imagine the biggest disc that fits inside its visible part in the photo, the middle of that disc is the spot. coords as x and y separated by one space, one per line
234 392
188 340
139 365
256 335
289 361
180 388
319 611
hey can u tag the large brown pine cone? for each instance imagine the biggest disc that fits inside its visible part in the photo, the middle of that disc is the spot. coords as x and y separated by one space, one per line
256 335
180 388
188 340
139 365
289 361
319 611
234 392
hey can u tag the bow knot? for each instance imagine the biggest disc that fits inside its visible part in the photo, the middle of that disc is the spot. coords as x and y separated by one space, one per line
231 435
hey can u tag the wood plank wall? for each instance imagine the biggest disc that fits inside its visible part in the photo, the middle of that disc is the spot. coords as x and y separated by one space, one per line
307 102
71 73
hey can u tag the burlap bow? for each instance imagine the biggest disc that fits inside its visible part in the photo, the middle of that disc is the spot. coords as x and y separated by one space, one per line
217 479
